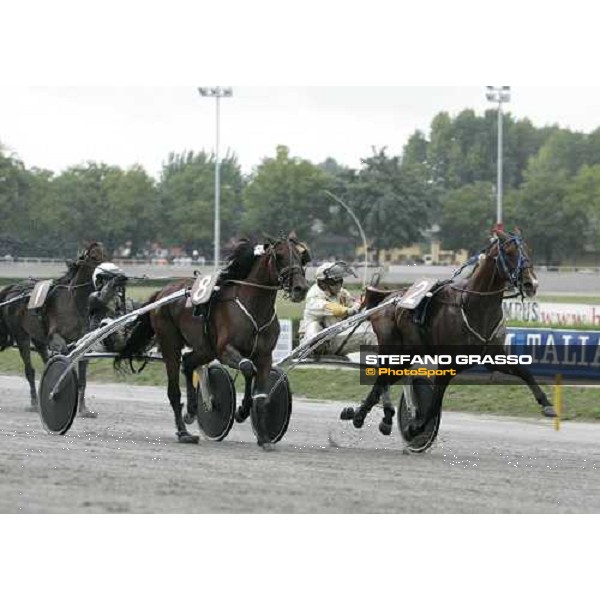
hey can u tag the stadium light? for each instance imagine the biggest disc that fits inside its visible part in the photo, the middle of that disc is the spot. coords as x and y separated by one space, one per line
217 93
499 95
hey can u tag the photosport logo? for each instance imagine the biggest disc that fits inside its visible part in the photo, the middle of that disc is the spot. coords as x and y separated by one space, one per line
500 365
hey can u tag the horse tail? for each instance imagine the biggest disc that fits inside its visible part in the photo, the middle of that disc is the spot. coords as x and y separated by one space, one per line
6 338
138 340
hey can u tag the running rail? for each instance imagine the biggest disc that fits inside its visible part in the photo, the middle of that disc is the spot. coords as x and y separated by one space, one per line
97 335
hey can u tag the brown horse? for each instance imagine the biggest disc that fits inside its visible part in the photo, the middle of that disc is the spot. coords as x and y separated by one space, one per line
240 328
62 320
464 312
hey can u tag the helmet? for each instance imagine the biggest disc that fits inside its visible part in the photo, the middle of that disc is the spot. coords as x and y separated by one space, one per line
333 270
105 271
322 271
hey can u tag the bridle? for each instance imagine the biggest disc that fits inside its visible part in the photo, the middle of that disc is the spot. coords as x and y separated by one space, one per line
284 282
512 274
284 275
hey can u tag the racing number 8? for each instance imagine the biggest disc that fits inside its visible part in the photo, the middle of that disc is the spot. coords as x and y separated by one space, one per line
201 289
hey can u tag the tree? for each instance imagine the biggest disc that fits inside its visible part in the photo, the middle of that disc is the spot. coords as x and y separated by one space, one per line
395 203
553 220
287 194
467 215
187 199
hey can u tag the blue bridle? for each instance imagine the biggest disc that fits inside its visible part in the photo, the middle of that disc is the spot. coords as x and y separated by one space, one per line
512 274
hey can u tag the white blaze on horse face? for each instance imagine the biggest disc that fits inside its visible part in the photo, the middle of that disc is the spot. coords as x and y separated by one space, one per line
259 250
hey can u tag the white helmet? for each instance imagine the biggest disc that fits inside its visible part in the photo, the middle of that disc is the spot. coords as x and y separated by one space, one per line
104 271
321 272
334 270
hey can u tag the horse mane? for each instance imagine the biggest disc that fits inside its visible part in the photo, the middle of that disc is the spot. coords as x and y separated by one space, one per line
240 259
70 273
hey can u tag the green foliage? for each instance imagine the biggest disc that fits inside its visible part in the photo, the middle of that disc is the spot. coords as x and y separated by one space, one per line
446 176
187 198
394 202
287 194
467 213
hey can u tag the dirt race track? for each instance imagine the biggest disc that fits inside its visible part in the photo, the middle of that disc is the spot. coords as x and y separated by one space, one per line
127 461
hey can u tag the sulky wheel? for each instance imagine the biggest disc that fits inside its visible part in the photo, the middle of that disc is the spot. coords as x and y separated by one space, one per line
215 414
418 435
279 408
58 407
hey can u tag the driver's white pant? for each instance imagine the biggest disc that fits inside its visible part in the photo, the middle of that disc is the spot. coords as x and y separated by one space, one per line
345 342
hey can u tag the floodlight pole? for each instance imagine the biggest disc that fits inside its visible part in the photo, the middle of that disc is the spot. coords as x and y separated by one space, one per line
500 95
361 231
217 93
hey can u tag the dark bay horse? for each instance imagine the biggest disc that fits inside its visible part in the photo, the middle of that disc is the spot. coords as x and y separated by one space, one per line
62 320
464 312
240 328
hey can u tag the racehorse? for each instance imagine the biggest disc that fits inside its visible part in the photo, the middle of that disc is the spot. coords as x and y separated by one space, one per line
464 312
240 327
62 319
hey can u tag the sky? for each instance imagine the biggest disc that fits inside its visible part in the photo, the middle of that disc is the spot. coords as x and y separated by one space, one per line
58 127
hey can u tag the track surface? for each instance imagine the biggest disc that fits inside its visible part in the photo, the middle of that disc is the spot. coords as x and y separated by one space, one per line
127 461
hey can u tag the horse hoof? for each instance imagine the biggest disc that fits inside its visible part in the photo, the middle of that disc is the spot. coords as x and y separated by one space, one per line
548 411
240 416
385 428
32 408
347 414
267 446
188 418
187 438
358 421
88 414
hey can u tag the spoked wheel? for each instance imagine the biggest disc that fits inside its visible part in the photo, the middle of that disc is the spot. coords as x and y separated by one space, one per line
279 410
58 409
420 402
215 413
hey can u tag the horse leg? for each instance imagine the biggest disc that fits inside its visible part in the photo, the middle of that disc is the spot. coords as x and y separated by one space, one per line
172 362
387 422
84 412
359 415
56 344
523 373
261 398
233 358
189 364
439 389
249 372
24 345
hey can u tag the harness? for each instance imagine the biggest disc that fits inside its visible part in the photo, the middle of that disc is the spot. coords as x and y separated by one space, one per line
284 280
513 275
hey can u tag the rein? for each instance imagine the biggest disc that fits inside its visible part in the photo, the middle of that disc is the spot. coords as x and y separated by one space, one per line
512 275
284 280
271 288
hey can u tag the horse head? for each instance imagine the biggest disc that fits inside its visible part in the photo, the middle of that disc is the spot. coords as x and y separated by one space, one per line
513 264
92 255
288 257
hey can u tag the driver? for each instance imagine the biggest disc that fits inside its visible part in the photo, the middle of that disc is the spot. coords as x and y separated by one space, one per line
107 301
328 303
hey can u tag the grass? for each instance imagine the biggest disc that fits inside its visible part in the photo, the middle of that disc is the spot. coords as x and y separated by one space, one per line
340 385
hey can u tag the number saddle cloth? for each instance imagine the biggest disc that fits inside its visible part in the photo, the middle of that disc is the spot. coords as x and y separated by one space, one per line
201 293
418 298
